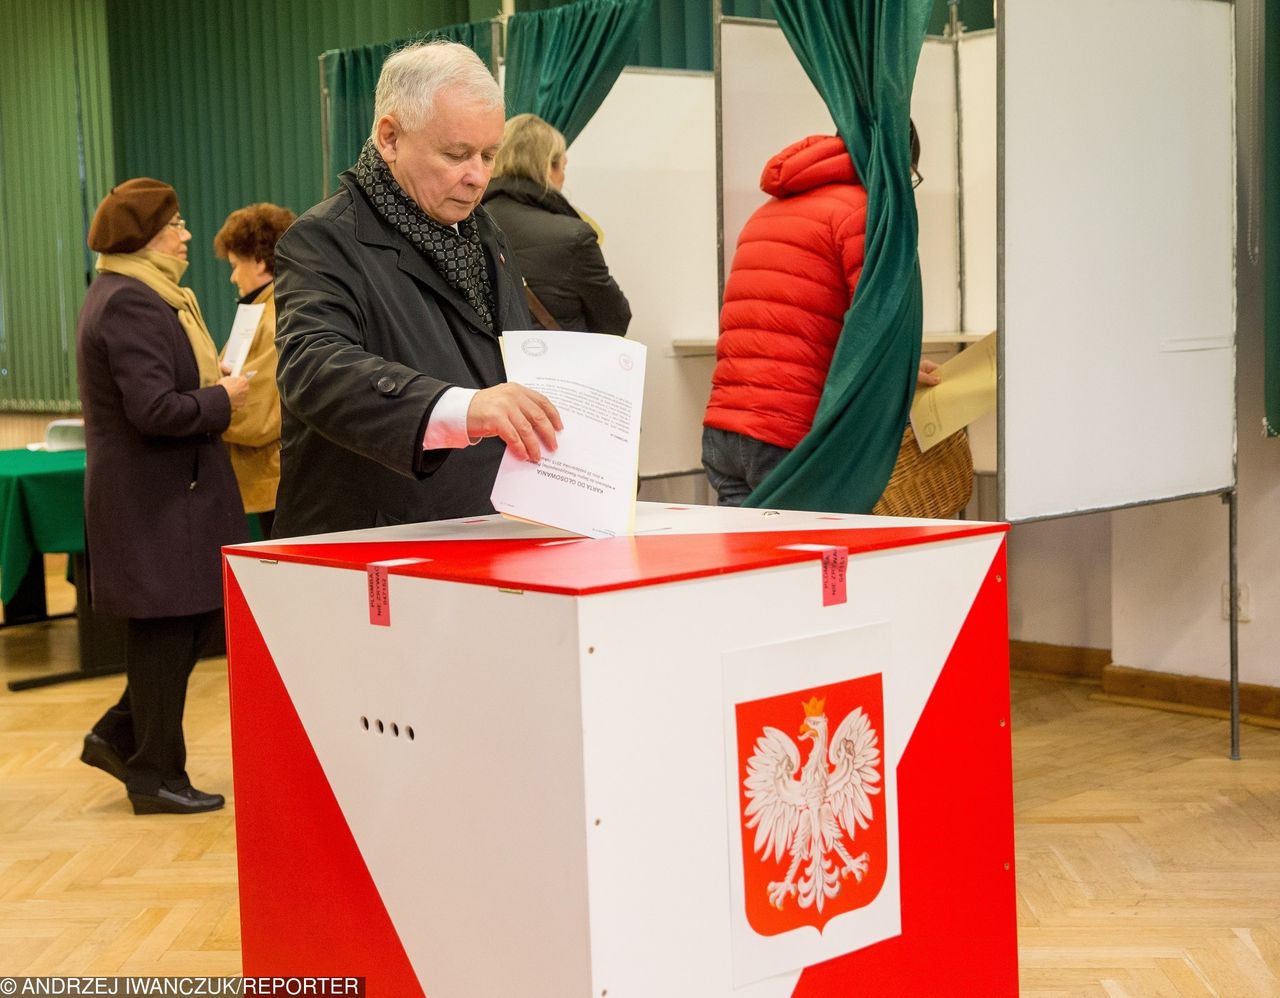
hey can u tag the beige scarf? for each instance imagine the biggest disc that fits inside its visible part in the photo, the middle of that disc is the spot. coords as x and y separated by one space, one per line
161 273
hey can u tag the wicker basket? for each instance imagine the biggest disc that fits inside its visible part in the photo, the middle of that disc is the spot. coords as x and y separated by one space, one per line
938 483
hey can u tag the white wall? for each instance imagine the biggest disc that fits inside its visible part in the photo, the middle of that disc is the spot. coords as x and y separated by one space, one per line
1169 563
1060 581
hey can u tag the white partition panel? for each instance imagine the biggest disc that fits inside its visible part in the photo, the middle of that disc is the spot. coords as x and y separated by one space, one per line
767 102
978 107
645 169
1118 235
933 109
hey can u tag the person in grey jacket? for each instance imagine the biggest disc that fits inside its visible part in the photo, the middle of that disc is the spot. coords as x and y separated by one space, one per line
390 298
558 252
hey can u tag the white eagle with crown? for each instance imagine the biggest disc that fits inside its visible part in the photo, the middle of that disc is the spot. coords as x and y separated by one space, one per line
810 816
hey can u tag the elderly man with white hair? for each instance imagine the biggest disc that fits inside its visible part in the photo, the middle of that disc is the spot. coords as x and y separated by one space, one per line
391 296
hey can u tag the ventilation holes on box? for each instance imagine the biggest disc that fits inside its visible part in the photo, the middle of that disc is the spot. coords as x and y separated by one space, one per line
381 726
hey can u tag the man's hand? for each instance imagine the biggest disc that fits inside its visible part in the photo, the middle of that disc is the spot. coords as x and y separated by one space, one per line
926 376
525 419
237 389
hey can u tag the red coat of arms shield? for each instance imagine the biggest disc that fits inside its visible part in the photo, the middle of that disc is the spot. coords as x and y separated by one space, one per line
810 780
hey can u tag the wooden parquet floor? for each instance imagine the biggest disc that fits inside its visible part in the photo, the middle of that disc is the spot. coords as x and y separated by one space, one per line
87 887
1148 862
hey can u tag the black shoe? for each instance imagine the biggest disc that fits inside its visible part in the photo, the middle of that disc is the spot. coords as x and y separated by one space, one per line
101 753
189 800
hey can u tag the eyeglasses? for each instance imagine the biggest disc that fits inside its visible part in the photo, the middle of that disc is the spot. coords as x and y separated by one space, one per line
178 223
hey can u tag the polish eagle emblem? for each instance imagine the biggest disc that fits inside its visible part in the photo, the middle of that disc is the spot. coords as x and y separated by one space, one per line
811 815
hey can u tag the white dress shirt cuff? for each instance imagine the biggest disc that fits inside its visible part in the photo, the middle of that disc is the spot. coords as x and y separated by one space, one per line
447 424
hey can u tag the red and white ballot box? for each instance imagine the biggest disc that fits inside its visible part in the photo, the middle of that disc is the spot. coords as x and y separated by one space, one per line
740 753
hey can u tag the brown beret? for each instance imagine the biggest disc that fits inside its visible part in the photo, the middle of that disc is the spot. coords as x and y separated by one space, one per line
131 215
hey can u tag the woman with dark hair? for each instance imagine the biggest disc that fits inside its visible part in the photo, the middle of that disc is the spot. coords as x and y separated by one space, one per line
160 498
557 250
247 240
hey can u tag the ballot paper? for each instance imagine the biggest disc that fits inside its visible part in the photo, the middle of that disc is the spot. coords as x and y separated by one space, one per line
967 392
241 339
587 485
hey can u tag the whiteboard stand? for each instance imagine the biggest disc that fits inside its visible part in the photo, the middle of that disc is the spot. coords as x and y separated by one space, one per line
1232 499
1080 430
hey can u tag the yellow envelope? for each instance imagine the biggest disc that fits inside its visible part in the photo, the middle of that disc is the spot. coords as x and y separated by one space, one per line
967 392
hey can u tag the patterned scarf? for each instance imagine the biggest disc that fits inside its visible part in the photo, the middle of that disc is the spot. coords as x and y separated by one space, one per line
458 256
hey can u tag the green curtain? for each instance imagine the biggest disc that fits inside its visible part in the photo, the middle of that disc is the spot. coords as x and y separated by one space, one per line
562 62
762 9
676 35
862 58
975 15
351 76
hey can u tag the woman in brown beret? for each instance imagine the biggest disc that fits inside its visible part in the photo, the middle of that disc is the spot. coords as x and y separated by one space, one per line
160 496
247 240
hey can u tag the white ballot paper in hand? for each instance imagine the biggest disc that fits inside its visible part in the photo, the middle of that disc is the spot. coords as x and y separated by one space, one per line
242 329
587 485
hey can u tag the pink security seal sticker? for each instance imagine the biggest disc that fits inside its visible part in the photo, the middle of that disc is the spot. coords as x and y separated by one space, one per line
380 588
835 570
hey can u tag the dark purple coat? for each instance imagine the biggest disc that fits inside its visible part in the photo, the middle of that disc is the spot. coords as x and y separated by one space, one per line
160 497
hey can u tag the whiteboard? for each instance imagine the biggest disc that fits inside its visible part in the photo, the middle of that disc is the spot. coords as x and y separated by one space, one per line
977 54
767 102
933 109
1118 212
645 169
978 107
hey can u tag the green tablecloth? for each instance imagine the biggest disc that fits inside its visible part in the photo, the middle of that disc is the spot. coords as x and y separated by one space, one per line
41 509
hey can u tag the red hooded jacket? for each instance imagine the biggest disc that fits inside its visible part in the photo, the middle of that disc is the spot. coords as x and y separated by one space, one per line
797 262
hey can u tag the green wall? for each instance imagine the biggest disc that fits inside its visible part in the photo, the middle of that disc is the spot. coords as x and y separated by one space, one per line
222 100
55 158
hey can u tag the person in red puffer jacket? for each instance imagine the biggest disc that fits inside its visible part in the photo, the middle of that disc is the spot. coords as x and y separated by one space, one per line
794 271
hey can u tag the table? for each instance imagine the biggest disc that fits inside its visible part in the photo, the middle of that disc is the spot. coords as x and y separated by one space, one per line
480 757
42 510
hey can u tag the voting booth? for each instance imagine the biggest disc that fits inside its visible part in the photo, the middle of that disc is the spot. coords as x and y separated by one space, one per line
740 753
1043 212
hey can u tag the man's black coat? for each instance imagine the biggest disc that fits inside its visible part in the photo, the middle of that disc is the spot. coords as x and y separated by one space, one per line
369 336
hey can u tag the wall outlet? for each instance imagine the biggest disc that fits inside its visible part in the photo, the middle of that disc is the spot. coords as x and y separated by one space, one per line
1246 605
